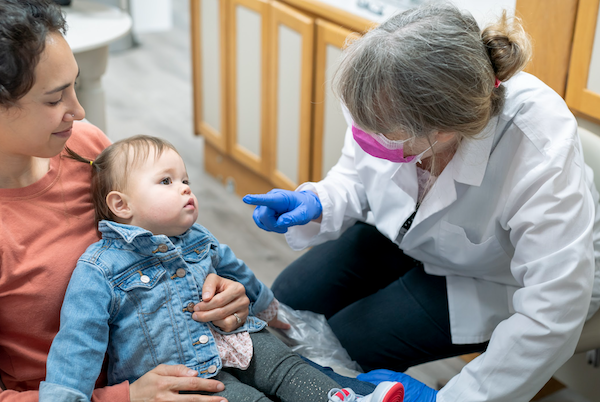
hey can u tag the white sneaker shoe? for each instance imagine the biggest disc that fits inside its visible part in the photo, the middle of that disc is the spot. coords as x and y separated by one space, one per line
386 391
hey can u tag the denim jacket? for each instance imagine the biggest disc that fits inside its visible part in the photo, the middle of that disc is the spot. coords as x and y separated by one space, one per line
138 291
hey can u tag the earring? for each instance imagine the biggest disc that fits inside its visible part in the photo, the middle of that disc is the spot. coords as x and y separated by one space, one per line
72 115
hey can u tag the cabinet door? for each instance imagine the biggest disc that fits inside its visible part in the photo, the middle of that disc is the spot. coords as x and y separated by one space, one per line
210 79
291 48
583 85
329 125
248 71
551 47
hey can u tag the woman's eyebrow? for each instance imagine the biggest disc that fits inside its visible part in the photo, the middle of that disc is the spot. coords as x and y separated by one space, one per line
62 87
58 89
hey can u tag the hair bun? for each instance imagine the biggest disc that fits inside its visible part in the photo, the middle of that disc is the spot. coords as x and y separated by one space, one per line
508 46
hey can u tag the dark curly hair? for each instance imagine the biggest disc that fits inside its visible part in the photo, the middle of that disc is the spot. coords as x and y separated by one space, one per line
24 26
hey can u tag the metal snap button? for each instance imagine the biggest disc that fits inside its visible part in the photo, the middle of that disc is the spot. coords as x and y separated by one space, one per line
204 339
163 248
180 272
145 278
190 307
212 369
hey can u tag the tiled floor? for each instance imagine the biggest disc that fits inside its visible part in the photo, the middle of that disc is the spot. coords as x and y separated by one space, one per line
149 91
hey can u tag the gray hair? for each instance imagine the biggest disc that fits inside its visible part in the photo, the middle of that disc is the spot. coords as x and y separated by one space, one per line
430 69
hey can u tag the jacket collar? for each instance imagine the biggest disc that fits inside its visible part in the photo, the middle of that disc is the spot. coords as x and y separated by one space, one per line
114 230
128 233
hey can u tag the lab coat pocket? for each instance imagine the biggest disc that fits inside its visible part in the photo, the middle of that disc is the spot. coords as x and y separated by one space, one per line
461 254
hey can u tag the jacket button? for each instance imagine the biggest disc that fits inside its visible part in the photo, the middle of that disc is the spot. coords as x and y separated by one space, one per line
145 278
163 248
180 272
212 369
190 307
204 339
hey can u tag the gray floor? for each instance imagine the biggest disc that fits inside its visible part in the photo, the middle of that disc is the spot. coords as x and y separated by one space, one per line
149 91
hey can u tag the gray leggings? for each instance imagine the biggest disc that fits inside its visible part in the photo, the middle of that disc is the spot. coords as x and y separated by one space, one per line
277 372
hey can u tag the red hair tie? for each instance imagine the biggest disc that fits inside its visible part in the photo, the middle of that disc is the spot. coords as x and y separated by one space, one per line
497 83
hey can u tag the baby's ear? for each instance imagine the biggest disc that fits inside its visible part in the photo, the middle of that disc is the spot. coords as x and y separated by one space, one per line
119 205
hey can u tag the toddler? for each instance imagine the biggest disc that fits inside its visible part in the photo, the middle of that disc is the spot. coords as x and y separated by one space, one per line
132 294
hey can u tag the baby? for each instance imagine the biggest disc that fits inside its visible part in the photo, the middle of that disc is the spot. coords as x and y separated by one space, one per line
132 294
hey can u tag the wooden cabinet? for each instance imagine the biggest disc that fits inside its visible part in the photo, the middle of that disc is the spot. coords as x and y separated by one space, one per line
328 127
262 74
262 91
291 77
583 86
209 76
566 40
550 25
246 27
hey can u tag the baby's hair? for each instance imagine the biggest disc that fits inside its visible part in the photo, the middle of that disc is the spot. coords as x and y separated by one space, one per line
430 69
110 169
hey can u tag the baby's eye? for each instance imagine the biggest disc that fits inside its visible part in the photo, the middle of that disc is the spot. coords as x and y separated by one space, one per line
186 181
166 180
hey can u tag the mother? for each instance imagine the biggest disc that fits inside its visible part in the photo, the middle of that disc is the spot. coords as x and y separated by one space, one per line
46 214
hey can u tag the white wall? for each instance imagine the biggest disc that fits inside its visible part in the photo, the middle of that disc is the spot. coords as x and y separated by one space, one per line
486 11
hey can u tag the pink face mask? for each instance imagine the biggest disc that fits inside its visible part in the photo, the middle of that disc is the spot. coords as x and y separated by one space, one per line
379 146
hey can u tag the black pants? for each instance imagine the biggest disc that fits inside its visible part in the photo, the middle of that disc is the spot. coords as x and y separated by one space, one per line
385 310
275 374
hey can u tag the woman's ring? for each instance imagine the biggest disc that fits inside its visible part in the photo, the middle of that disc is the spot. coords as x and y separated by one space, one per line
237 317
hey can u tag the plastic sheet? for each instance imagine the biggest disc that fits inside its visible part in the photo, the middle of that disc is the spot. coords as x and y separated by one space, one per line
311 336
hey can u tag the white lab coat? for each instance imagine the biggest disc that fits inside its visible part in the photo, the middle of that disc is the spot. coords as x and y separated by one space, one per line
509 223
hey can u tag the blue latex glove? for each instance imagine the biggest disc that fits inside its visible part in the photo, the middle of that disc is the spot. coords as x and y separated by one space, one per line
279 209
414 391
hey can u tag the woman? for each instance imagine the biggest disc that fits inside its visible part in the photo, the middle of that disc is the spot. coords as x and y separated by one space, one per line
467 225
46 213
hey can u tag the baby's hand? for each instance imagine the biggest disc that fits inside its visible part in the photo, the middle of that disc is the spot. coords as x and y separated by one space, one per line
275 323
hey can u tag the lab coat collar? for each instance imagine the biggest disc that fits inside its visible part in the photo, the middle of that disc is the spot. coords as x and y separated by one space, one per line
471 159
468 166
405 177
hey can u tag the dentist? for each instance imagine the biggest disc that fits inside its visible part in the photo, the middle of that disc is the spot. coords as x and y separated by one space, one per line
459 218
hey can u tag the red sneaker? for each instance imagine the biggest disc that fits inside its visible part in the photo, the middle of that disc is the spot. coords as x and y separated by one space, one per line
386 391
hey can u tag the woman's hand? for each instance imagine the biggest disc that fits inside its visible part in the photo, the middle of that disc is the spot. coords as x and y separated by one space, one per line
221 298
164 383
279 209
